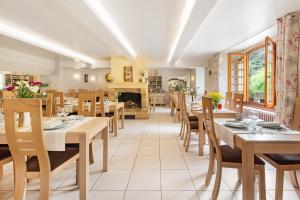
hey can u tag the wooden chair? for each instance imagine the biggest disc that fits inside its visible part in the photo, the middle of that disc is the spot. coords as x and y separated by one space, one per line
42 163
5 157
83 109
228 100
286 162
189 123
237 102
49 106
58 101
50 91
225 155
72 93
100 110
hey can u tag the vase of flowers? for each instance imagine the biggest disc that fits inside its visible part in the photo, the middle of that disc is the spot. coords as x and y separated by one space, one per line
26 89
192 92
216 98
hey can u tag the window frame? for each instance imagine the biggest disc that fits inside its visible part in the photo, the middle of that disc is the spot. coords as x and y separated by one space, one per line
265 44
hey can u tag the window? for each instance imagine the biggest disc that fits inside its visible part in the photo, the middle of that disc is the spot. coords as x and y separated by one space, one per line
253 73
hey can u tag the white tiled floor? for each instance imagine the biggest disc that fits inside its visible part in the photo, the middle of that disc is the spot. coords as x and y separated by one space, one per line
147 161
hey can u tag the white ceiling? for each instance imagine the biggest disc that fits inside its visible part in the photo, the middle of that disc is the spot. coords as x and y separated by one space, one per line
149 26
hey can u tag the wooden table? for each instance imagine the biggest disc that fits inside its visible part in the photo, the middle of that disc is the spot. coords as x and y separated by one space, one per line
116 107
83 135
252 144
224 113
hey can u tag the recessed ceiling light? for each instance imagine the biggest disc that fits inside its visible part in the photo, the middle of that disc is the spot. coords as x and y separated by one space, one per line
38 41
97 8
185 15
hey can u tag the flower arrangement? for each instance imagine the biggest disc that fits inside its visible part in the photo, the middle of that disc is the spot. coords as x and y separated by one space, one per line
108 77
216 98
26 89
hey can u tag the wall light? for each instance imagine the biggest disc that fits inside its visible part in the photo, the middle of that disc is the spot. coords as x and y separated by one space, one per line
76 76
97 8
185 15
38 41
93 78
192 78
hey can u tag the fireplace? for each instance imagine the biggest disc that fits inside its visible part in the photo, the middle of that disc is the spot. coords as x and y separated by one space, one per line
131 100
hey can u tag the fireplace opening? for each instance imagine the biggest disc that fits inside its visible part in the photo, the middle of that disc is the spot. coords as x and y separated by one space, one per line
131 100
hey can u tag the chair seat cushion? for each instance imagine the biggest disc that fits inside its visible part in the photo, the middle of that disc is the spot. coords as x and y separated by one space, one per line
193 118
110 114
284 159
4 152
235 155
194 124
56 158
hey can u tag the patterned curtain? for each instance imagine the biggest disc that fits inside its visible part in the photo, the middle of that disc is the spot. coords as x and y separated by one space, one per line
215 67
287 66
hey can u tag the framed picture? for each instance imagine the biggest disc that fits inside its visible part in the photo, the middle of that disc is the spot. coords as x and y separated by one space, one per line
209 72
86 78
128 76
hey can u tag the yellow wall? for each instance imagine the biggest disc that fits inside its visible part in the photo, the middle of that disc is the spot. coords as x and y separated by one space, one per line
117 68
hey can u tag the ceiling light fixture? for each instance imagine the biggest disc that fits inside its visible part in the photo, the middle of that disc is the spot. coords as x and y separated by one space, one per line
97 8
38 41
185 15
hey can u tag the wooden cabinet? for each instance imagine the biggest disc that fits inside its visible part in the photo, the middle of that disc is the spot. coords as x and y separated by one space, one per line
154 83
158 98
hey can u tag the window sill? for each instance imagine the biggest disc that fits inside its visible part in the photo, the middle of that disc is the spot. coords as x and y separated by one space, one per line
258 106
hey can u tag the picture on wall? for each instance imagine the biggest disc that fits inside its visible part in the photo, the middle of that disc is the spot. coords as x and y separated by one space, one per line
128 76
86 78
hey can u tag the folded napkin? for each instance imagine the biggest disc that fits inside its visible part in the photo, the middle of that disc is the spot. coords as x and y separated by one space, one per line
270 124
52 124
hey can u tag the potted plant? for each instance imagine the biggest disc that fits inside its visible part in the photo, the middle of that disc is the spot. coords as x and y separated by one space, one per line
216 98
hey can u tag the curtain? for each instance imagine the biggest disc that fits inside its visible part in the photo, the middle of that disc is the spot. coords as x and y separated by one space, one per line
215 67
287 66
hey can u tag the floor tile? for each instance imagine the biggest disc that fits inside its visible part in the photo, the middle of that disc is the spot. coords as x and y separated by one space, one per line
144 162
176 180
113 180
144 195
144 180
179 195
172 162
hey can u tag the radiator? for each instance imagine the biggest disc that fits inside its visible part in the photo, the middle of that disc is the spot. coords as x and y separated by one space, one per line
262 114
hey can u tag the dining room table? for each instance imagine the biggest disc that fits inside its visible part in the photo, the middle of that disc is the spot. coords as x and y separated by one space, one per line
251 142
117 108
81 132
196 110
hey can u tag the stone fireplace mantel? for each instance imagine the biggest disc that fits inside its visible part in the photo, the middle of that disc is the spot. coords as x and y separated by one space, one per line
141 88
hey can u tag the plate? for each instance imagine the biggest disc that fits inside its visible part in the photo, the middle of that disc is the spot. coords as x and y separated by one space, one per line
235 124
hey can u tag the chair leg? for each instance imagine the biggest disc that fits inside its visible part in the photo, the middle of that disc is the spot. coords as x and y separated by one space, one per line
210 166
217 184
279 184
239 172
44 185
188 139
91 153
77 171
1 171
20 185
181 129
262 183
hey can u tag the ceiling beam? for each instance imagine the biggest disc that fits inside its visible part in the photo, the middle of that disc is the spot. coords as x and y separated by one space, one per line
200 11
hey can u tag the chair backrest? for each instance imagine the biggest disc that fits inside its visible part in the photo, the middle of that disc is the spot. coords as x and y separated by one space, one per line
100 103
50 91
296 120
237 102
205 93
228 100
181 102
29 142
87 104
49 105
58 101
8 95
208 120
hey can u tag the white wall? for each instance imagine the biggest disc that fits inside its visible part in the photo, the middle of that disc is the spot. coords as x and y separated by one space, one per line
223 71
200 80
64 78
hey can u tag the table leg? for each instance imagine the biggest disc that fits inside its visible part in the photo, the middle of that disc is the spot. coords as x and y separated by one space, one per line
201 137
105 137
248 172
84 167
116 121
